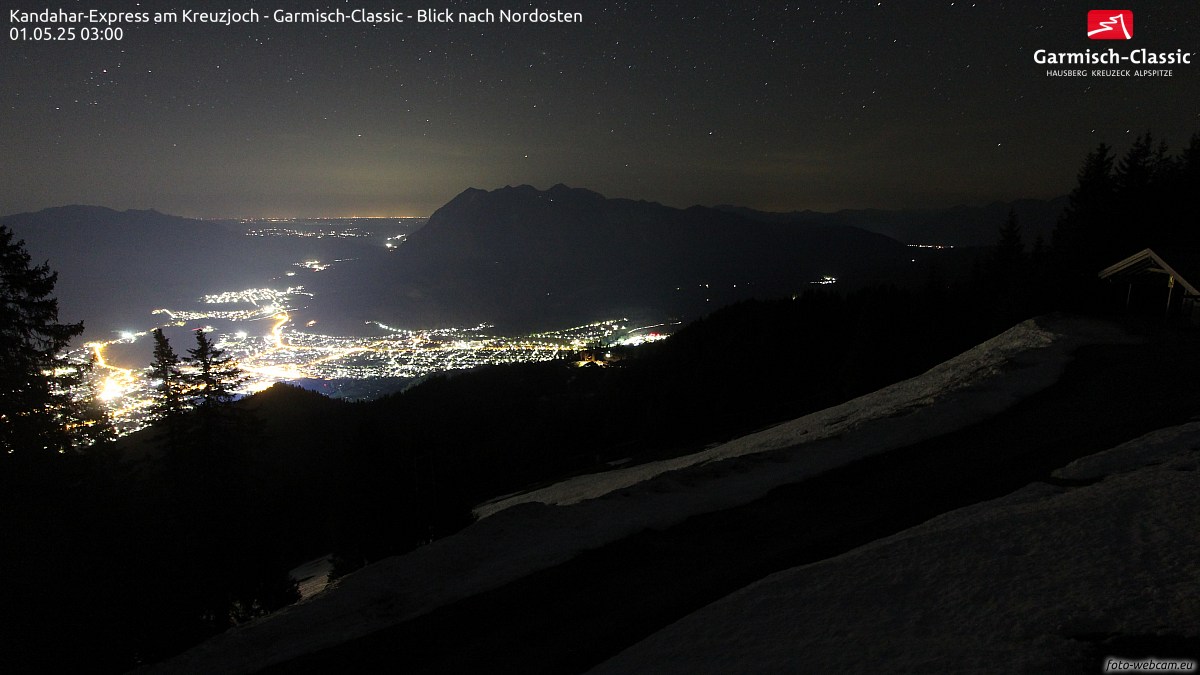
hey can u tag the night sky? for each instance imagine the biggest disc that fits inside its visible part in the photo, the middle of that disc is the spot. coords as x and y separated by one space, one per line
816 105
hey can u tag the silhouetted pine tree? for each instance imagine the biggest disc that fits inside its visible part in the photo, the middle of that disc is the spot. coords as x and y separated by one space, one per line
169 395
1146 201
217 432
50 492
1010 248
1141 183
1089 216
1037 254
1185 220
220 523
1077 248
1008 283
217 376
35 406
88 419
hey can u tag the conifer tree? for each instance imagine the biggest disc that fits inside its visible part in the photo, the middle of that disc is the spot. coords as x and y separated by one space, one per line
217 376
1010 249
1136 170
170 398
1089 215
88 419
35 404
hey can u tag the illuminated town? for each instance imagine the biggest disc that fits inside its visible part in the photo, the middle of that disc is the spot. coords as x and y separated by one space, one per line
258 330
284 352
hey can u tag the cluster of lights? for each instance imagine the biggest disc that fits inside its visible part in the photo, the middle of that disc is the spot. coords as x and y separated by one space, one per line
180 316
254 296
350 233
278 356
128 393
332 228
579 337
432 332
317 265
639 339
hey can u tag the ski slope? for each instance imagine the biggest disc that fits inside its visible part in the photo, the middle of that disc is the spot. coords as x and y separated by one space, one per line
1019 584
525 533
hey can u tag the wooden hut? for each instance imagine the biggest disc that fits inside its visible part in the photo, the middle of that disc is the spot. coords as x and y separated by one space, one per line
1151 284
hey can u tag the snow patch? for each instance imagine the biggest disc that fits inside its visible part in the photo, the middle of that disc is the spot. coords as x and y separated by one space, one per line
1012 585
1158 447
312 577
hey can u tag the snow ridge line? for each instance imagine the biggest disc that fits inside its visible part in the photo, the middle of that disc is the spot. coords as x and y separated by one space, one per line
979 363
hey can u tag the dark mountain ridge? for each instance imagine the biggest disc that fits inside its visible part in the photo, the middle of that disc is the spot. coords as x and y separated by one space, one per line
531 259
956 226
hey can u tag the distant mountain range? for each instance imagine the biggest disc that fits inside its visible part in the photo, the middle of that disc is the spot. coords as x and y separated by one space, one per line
957 226
529 259
518 257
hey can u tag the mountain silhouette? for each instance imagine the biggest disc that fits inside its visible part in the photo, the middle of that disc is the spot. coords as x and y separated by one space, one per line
956 226
534 259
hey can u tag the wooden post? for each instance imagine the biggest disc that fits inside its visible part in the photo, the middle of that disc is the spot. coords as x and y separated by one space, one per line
1170 292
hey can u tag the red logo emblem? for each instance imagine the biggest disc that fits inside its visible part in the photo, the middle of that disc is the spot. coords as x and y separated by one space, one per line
1110 24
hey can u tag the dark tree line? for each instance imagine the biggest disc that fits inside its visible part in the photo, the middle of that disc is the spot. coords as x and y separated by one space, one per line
191 403
110 560
1145 199
38 415
211 381
53 450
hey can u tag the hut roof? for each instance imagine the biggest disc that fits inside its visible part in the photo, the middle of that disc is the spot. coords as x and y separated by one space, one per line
1146 262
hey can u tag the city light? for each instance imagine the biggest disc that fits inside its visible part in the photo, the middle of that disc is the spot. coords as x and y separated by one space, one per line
261 329
286 353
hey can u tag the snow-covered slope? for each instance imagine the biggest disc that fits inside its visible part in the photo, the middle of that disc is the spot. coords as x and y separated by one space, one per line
977 383
542 529
1018 584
